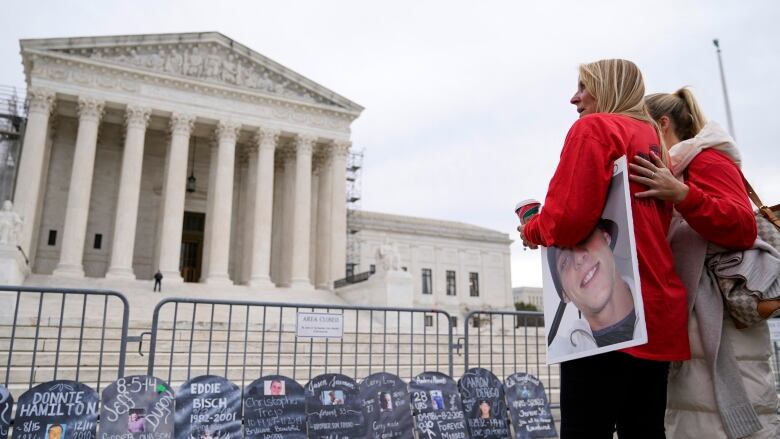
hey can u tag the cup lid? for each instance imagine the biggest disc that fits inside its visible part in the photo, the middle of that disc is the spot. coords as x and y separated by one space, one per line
519 205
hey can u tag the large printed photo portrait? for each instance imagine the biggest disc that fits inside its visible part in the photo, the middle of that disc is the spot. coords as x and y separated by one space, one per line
592 294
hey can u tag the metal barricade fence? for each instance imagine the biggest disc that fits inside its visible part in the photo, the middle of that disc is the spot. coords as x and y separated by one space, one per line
245 340
507 342
59 333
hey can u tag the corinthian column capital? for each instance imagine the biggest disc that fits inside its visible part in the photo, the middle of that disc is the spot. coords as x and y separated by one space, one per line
40 100
267 138
340 148
136 116
319 159
90 108
227 131
181 123
304 143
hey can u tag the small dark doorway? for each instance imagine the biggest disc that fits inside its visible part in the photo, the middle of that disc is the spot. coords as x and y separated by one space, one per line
192 245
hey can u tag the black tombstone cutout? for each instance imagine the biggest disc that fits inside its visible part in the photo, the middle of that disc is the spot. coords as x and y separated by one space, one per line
333 408
6 405
274 408
436 407
528 407
137 407
386 407
483 404
208 407
61 409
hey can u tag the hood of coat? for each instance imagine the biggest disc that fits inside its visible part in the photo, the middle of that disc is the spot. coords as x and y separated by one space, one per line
711 136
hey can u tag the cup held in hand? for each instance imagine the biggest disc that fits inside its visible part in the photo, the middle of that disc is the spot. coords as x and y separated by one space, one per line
526 209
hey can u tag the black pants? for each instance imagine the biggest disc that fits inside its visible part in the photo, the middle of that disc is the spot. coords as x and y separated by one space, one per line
157 285
612 391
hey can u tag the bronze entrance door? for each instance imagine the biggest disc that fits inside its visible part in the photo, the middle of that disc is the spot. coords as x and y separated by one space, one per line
192 246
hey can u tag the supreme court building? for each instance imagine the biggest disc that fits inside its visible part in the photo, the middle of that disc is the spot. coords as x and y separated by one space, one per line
117 124
195 155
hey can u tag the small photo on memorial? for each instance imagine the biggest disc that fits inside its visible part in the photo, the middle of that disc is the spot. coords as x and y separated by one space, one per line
274 388
55 431
332 397
484 409
135 420
437 400
385 401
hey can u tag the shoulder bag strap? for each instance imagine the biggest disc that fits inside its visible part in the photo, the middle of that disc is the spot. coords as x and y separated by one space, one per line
765 210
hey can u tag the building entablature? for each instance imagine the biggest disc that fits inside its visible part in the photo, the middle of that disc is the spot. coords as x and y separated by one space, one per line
202 80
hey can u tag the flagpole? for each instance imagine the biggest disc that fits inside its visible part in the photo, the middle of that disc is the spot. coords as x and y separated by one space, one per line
725 91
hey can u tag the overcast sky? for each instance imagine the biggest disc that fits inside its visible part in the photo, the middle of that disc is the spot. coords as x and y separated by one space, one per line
467 103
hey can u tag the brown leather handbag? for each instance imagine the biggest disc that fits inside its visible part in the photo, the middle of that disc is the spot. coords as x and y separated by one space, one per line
748 309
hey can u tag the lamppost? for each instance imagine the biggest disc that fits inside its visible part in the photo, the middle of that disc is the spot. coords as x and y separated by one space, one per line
191 181
725 91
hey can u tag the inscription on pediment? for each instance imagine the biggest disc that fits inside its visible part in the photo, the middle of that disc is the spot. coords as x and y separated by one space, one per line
208 62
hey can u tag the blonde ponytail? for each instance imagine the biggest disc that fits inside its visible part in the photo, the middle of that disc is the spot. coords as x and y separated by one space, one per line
681 108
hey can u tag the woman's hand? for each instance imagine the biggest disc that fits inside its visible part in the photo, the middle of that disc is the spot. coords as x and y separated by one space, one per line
656 176
526 243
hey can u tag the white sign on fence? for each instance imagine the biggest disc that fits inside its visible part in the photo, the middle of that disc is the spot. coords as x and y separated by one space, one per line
774 329
320 325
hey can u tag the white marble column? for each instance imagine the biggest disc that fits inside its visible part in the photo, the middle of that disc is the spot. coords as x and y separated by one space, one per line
339 209
172 208
277 220
317 161
77 211
286 230
249 184
267 139
30 177
222 207
210 197
301 214
323 278
123 244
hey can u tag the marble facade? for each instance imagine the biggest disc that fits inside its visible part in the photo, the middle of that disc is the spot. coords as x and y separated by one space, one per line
117 124
476 260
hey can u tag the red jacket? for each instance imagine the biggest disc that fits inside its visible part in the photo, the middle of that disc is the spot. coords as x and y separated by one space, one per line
717 202
575 201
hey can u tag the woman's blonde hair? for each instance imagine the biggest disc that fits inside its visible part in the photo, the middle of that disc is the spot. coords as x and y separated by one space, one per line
618 87
682 110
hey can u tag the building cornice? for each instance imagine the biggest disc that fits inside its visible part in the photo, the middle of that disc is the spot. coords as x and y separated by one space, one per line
83 72
383 222
180 40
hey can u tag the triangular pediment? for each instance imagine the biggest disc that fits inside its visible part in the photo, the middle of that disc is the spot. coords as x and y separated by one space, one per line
209 57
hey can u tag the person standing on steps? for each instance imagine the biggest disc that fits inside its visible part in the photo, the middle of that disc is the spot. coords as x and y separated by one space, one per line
158 281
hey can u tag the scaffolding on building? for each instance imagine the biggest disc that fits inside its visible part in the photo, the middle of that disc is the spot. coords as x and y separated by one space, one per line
354 189
12 121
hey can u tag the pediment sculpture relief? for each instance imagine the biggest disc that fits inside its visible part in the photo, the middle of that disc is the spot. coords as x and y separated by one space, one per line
208 62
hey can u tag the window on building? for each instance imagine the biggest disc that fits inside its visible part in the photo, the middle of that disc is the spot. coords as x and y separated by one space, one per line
52 237
475 322
454 321
428 320
427 281
474 284
98 241
372 268
350 270
450 282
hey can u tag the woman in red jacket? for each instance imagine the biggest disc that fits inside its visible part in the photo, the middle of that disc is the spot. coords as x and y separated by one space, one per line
727 389
625 390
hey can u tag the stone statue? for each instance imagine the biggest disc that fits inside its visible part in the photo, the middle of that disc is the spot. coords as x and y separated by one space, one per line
10 224
387 256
